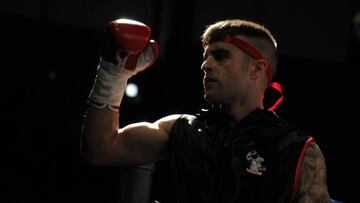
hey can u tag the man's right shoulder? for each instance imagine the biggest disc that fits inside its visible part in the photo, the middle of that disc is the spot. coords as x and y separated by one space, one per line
166 123
172 118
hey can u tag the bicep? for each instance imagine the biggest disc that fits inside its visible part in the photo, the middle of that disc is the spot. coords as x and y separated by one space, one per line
312 177
143 143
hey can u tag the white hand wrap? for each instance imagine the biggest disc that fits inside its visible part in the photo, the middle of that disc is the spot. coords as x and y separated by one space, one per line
111 80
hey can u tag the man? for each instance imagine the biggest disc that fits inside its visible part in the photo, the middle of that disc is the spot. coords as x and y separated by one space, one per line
237 151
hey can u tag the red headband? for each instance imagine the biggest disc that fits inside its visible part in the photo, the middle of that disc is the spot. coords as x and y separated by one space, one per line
249 49
253 52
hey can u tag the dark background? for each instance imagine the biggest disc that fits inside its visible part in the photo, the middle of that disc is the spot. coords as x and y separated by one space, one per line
50 50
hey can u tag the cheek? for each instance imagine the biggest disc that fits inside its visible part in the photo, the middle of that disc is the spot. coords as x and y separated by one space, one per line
238 79
226 63
233 72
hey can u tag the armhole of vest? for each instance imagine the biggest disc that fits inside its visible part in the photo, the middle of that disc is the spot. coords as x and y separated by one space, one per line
189 118
298 165
180 119
183 116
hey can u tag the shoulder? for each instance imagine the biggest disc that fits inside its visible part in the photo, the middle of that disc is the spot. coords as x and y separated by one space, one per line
313 161
311 182
171 119
166 123
185 121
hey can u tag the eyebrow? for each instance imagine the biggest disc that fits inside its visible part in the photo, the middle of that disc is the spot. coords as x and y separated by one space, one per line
215 51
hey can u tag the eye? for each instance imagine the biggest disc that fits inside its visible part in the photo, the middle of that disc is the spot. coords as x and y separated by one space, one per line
220 54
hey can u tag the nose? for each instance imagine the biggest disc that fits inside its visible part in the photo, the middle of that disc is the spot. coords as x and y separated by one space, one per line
206 65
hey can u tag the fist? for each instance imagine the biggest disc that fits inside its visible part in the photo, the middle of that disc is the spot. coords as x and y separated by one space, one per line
125 38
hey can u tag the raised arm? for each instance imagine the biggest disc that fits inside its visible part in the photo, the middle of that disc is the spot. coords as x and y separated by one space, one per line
135 144
127 50
312 177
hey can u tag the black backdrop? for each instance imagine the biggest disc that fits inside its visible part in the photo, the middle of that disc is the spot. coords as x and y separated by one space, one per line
47 72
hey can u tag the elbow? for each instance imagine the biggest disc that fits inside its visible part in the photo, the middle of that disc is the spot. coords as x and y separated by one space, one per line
92 156
95 158
87 156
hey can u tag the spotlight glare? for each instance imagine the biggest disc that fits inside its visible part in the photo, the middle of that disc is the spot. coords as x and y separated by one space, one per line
132 90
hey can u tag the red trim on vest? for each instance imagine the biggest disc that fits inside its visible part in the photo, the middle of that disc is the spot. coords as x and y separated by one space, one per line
296 178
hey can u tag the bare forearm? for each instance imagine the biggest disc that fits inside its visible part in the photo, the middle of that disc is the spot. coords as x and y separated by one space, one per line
99 131
127 50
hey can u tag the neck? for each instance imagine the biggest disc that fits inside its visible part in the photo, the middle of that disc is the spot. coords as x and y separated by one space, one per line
239 111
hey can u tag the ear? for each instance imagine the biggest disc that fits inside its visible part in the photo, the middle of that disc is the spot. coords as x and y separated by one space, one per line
258 69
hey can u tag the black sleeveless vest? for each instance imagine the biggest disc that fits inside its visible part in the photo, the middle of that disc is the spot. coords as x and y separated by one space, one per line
217 160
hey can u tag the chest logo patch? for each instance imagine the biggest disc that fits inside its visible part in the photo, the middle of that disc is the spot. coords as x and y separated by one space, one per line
255 163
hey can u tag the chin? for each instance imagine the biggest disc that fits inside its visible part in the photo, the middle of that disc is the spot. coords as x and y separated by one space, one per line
210 99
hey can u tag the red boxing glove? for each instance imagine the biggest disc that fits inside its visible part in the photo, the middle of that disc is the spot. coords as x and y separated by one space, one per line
127 50
127 38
